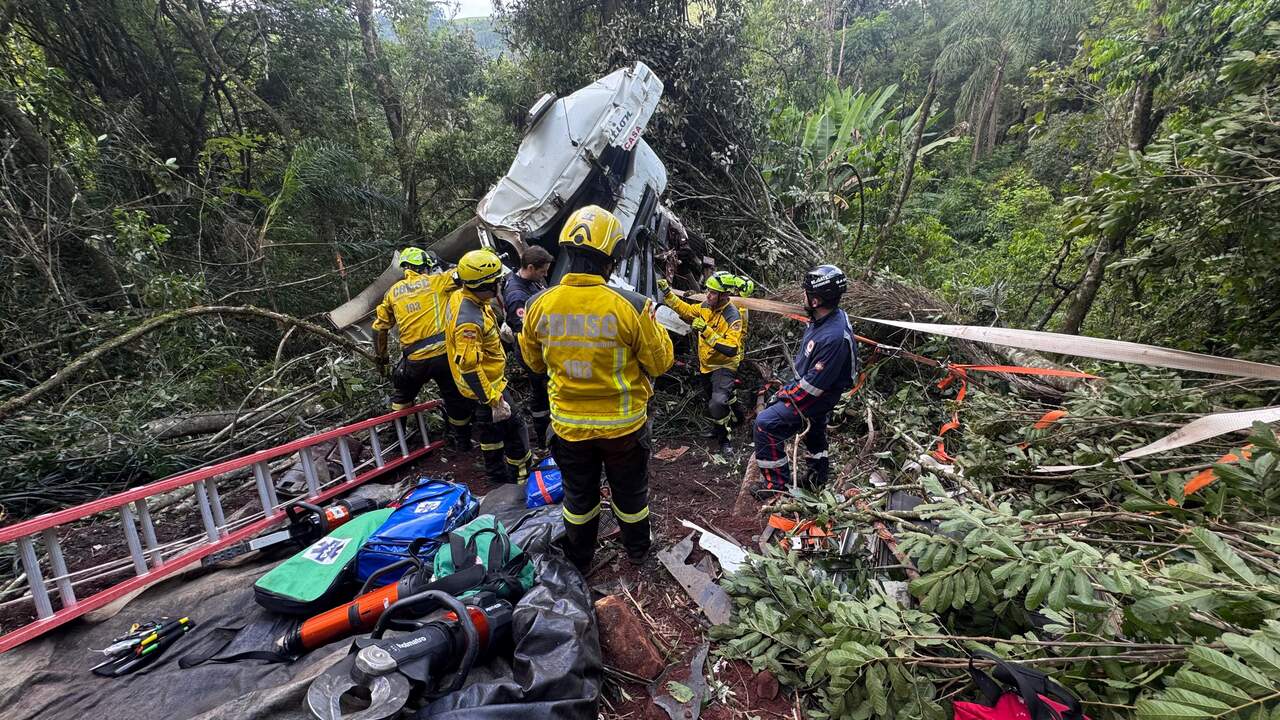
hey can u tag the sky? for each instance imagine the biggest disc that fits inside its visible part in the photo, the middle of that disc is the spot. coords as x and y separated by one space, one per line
474 8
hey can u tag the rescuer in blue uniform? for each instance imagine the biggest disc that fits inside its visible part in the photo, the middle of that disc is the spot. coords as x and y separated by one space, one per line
523 284
825 368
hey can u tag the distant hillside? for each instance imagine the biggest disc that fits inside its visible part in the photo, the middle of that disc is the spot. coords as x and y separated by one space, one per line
487 37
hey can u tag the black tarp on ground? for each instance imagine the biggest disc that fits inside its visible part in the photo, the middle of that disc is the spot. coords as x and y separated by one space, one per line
555 673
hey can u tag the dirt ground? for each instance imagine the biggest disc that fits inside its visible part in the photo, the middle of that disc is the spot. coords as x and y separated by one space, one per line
700 488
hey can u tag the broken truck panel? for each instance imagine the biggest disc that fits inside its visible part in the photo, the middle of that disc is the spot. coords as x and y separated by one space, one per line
709 596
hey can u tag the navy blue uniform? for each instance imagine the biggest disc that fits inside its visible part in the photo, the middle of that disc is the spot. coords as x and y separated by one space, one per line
515 296
825 368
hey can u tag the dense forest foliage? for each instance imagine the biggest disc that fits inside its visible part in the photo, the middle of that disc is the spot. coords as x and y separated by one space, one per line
1106 167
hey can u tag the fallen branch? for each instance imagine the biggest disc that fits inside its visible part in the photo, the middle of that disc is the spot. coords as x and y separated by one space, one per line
72 370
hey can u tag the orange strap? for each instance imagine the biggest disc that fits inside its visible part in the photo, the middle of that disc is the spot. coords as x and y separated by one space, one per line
542 487
1019 370
807 530
1205 478
954 372
960 373
1048 419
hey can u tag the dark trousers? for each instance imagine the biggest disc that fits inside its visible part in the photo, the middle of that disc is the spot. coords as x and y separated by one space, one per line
625 461
777 424
407 380
722 386
539 405
504 445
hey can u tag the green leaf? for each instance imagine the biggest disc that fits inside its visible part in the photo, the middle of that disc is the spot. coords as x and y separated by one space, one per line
1196 700
1039 588
1229 670
1259 654
1209 686
1221 555
1162 710
877 691
679 691
990 552
1153 607
1083 588
1061 586
1194 573
1018 581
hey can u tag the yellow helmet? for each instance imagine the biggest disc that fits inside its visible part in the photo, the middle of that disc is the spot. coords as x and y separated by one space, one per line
595 228
724 282
478 268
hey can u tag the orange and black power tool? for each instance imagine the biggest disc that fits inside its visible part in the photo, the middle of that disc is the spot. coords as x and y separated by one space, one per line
307 524
362 614
429 658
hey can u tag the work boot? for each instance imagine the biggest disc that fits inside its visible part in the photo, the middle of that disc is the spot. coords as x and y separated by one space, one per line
818 474
765 494
648 561
460 440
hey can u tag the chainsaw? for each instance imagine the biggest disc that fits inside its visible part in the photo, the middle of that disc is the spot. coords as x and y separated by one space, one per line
307 524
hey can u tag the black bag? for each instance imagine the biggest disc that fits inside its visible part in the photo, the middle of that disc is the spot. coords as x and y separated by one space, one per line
1035 694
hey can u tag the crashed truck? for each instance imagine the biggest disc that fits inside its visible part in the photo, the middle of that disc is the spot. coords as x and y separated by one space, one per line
584 149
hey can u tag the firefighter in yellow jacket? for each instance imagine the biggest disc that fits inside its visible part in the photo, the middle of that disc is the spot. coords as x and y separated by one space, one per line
416 305
721 330
599 346
478 363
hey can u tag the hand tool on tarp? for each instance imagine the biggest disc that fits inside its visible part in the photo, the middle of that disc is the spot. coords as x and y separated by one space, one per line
307 524
141 646
391 672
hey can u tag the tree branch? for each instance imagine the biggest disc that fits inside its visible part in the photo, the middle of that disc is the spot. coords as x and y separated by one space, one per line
73 369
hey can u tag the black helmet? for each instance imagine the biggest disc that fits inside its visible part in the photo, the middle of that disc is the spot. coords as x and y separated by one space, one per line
827 282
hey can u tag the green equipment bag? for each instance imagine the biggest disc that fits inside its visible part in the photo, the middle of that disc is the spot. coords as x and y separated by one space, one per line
313 580
483 543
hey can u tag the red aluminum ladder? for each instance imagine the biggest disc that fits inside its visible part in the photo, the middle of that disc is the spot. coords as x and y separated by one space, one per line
151 561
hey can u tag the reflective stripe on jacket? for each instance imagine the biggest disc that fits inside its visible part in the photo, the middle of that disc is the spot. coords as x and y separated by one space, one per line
476 357
599 347
720 343
416 305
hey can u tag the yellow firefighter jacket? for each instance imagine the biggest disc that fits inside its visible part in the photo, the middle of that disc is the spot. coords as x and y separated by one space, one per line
416 305
720 342
599 347
476 357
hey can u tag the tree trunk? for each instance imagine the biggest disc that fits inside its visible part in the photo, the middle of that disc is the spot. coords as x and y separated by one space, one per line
1082 301
73 369
993 113
986 116
908 175
98 274
1141 128
831 36
389 96
190 19
844 24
